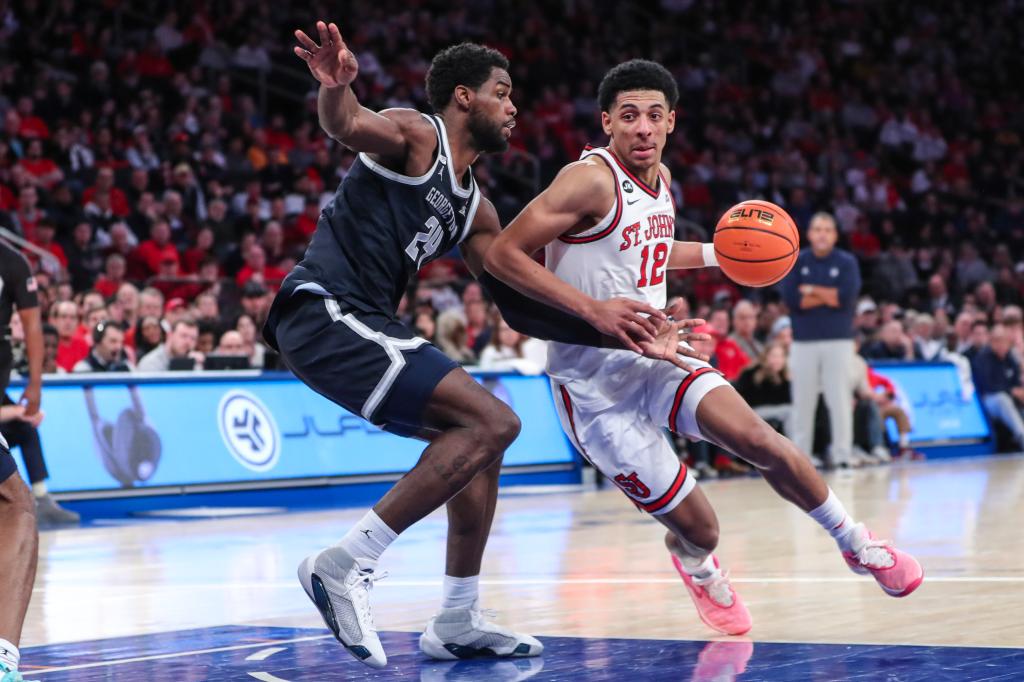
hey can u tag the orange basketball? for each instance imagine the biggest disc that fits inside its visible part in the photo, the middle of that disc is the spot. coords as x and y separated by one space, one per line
756 243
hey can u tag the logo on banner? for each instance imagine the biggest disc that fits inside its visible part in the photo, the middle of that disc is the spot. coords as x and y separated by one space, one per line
249 430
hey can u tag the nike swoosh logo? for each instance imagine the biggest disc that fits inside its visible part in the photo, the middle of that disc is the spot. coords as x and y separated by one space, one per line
630 203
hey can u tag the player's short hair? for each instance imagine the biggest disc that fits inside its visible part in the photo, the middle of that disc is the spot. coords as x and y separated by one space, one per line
637 74
466 64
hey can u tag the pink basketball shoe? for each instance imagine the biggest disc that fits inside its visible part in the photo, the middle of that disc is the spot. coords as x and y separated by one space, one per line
897 572
718 604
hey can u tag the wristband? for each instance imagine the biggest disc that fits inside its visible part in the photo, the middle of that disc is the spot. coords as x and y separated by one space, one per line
709 255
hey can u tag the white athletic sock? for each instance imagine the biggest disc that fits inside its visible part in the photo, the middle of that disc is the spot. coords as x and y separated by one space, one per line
368 538
833 517
699 568
9 655
904 440
460 593
39 488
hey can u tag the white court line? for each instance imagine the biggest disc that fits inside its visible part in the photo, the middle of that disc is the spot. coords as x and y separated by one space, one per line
293 585
177 654
265 654
266 677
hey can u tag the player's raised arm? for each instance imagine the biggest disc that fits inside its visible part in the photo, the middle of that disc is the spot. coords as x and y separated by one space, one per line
341 115
575 196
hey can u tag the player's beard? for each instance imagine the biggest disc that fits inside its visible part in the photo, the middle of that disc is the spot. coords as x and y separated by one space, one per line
488 137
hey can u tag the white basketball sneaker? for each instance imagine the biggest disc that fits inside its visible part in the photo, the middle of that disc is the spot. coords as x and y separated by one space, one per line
339 586
463 633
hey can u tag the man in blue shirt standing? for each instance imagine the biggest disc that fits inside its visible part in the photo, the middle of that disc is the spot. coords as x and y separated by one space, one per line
821 293
997 379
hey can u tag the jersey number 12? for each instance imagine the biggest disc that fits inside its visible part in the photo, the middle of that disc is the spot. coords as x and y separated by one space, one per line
657 266
424 244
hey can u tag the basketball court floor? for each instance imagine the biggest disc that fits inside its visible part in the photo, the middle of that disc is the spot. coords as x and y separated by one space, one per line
217 599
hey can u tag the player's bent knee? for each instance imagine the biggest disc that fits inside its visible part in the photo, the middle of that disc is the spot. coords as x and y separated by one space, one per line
15 496
502 431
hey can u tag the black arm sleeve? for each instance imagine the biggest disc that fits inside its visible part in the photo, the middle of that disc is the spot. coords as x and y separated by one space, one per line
533 318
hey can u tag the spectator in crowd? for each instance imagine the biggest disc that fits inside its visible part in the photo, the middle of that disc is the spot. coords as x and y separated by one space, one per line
107 352
149 335
731 358
451 337
245 325
114 270
997 379
744 329
180 345
158 249
71 347
51 343
765 386
960 340
821 292
425 326
508 349
926 345
979 339
892 344
22 431
232 343
866 321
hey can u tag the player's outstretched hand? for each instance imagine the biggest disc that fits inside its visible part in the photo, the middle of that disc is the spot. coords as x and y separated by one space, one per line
330 62
627 320
665 345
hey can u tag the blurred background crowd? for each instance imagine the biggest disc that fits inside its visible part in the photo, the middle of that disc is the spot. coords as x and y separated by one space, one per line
162 169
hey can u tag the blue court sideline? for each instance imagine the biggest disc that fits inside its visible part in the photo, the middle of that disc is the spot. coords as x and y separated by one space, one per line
307 654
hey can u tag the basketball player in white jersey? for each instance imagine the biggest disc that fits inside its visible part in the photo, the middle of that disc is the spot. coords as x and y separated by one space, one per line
607 224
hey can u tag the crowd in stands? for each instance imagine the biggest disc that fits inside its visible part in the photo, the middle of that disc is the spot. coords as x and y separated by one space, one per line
166 194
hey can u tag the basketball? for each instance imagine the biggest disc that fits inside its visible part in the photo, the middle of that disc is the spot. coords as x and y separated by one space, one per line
756 243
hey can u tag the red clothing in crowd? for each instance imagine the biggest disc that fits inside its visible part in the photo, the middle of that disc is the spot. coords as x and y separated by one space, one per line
39 168
70 352
731 358
107 287
152 254
33 126
53 247
877 381
118 200
271 276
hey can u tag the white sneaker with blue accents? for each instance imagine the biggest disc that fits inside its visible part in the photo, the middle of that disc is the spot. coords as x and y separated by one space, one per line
463 633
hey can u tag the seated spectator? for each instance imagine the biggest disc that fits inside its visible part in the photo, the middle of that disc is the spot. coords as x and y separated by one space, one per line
202 249
508 351
731 358
51 343
866 321
231 343
84 257
180 345
254 348
765 386
44 239
107 353
256 268
451 337
148 335
256 300
960 339
923 337
114 269
118 202
158 248
979 339
23 432
71 348
43 171
744 326
892 344
425 326
997 379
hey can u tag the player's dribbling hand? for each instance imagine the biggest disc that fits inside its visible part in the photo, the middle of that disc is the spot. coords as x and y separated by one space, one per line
621 318
330 62
665 345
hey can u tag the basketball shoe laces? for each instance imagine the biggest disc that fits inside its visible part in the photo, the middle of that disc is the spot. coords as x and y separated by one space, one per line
718 588
361 597
875 554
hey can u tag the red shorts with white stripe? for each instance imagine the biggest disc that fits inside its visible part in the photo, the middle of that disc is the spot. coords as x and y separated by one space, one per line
627 441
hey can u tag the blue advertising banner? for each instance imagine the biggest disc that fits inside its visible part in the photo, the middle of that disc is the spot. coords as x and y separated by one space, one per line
179 431
940 409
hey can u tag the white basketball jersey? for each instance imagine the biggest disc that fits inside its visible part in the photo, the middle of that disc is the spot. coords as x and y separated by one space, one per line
624 255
